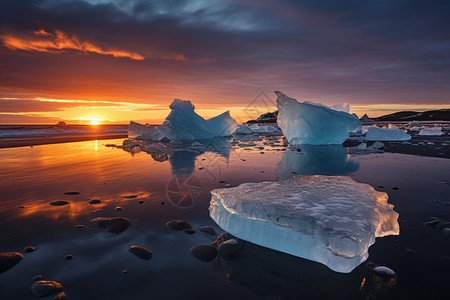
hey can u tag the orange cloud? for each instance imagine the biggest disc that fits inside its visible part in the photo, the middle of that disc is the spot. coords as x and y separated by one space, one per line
59 41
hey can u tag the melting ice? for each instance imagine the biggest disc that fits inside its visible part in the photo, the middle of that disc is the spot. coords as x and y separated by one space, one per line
314 124
328 219
184 124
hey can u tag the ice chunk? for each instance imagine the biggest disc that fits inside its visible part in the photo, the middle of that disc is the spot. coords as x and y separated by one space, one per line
386 134
431 131
328 219
314 124
184 124
243 129
222 125
135 130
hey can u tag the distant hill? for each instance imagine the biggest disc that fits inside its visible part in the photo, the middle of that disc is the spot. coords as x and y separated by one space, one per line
431 115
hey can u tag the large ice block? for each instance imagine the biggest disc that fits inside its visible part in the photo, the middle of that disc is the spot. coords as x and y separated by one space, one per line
222 125
136 130
184 124
328 219
313 124
386 134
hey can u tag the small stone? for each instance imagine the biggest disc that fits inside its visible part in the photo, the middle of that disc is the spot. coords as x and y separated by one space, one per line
9 260
140 202
21 206
410 251
189 231
130 197
29 249
178 225
381 187
162 202
114 225
37 277
204 253
395 188
59 203
95 201
433 223
384 271
118 208
207 229
71 193
80 226
141 252
229 247
60 296
44 288
68 257
125 271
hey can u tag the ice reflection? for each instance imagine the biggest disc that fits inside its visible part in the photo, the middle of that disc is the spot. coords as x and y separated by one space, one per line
271 273
316 160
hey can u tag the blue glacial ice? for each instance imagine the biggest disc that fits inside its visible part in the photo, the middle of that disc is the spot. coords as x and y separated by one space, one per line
332 220
374 133
184 124
312 123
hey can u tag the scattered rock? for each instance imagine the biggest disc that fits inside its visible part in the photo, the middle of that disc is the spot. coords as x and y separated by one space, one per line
178 225
37 277
395 188
113 225
204 252
207 229
118 208
130 197
96 211
125 271
410 251
433 223
95 201
229 247
141 252
140 202
189 231
29 249
162 202
384 271
71 193
59 203
222 238
60 296
44 288
9 260
68 257
21 206
80 226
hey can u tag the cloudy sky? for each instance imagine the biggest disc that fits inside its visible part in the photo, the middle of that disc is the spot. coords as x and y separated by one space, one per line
117 60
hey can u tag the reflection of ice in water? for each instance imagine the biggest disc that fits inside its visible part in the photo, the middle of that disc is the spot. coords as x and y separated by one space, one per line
268 272
316 160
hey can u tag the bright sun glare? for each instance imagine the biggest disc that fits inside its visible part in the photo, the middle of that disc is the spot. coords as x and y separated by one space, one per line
94 121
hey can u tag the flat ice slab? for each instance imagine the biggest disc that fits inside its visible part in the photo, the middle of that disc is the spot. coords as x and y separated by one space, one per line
431 131
386 134
313 123
328 219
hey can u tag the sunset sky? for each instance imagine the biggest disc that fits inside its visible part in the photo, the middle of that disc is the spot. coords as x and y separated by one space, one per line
117 60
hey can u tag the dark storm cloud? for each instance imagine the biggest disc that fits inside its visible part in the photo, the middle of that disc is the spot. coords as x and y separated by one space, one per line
367 51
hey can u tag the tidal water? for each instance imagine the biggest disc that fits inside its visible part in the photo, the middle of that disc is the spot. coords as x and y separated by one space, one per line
178 187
